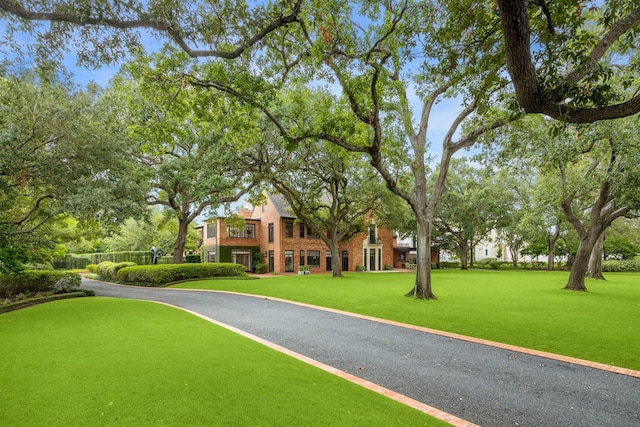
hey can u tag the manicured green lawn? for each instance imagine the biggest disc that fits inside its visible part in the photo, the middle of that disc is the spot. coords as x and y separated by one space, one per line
100 361
525 308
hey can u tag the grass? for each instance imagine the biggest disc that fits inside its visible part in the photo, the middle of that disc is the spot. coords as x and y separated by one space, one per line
524 308
100 361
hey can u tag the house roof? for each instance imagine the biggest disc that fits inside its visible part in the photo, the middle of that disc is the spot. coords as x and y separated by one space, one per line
281 205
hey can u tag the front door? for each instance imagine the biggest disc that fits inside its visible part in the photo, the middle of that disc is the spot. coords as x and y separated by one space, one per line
328 260
345 260
372 259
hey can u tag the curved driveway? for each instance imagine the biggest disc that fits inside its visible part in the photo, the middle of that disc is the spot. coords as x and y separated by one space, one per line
485 385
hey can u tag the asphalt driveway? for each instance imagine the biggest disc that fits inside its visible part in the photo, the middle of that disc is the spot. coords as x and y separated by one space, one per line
485 385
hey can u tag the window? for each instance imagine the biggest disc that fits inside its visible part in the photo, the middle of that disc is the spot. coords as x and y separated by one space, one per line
301 231
212 230
372 235
248 232
211 256
288 229
242 257
313 258
288 261
311 234
302 258
270 232
329 265
272 262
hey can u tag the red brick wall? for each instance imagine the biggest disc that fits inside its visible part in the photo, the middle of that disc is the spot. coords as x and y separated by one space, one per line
267 213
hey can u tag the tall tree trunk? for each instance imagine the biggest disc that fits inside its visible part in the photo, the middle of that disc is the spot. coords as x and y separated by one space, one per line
181 241
336 260
595 260
463 247
551 246
422 287
580 265
551 255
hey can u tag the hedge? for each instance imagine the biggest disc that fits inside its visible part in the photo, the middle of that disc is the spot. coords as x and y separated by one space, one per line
34 281
109 270
80 261
627 265
448 264
156 275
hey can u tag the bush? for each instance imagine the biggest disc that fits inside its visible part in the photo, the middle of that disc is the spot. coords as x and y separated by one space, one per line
161 274
261 268
388 267
192 259
533 265
629 265
38 266
92 268
488 263
109 270
449 264
36 281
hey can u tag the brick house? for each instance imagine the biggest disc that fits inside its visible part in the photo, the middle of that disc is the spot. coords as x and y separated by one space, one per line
274 235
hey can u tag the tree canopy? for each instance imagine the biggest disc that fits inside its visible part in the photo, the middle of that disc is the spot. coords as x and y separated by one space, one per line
62 153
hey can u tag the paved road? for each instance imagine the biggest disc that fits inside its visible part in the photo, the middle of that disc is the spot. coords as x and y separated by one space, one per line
482 384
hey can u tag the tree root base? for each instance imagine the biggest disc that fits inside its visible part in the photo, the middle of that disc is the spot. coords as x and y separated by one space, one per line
413 294
576 288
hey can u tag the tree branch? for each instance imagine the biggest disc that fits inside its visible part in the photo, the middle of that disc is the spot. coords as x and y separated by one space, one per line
31 211
534 98
165 27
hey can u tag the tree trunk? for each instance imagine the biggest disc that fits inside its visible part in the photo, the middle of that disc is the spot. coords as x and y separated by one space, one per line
181 241
514 256
463 247
336 260
551 253
595 260
580 264
551 257
422 287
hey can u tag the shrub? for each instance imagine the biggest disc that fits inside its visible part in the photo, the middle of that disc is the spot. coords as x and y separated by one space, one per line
533 265
360 268
449 264
92 268
102 268
261 268
192 259
161 274
388 267
35 281
629 265
38 266
109 270
488 263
